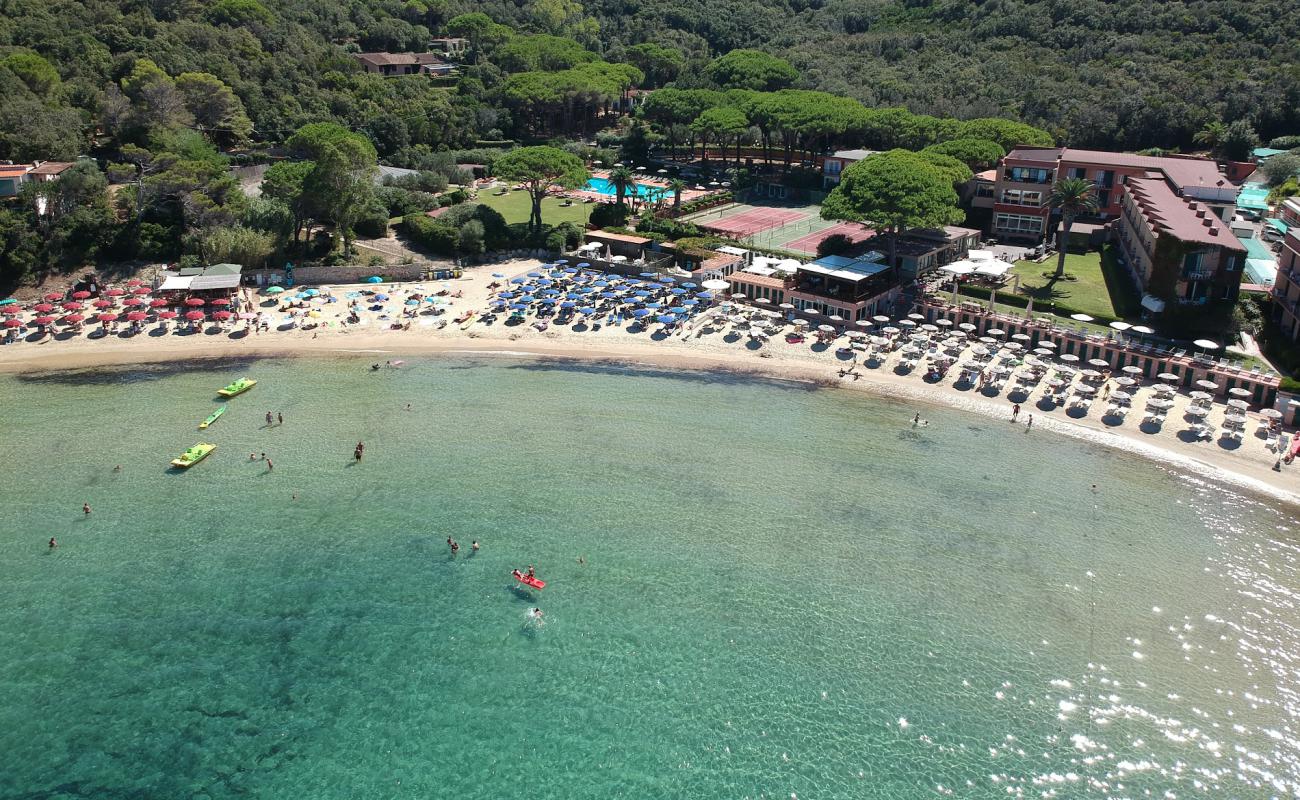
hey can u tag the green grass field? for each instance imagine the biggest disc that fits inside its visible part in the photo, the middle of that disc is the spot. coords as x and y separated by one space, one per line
1100 287
515 206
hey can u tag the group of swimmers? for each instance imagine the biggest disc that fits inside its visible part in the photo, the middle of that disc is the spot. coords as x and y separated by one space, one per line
455 546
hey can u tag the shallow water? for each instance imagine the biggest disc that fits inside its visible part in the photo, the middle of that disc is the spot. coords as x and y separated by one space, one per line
786 591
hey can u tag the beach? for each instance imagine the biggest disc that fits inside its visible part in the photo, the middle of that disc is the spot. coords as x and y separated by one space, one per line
1249 465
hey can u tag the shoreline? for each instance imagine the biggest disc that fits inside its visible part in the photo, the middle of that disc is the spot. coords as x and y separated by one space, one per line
876 382
1248 466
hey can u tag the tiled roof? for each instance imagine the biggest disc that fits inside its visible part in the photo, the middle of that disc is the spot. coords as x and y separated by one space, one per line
1187 221
397 59
1184 172
52 168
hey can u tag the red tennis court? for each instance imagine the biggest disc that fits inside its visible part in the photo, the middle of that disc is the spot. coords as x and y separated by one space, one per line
747 223
856 231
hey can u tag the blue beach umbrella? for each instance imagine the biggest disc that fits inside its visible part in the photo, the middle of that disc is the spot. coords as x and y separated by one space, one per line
507 295
666 318
705 295
528 298
641 293
551 293
571 271
381 297
498 275
584 264
666 279
534 274
568 304
690 301
561 261
374 279
654 305
609 295
518 307
547 301
412 302
601 284
586 310
641 312
689 285
545 282
647 274
678 292
519 279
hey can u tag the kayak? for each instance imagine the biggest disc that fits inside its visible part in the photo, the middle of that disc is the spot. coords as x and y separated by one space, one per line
193 455
466 320
531 582
238 387
203 426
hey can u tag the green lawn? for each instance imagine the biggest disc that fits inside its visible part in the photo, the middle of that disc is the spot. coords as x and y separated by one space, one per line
515 207
1100 287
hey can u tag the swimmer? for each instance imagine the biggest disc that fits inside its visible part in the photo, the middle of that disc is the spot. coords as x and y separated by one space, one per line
1094 489
118 468
916 420
582 560
269 465
536 613
86 508
474 546
530 570
263 456
53 543
408 406
252 456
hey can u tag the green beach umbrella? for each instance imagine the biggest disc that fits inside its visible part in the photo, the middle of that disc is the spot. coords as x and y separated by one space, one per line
274 289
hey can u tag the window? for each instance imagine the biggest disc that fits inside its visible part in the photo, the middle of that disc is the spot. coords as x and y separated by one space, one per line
1077 172
1028 175
1018 223
833 167
1022 198
1105 178
1103 199
983 190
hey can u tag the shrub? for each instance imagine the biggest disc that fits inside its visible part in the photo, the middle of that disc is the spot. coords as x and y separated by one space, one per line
433 235
837 244
608 215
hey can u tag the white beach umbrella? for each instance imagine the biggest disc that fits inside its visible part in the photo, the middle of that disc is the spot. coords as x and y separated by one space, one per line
1081 317
1160 402
1047 343
1238 391
835 318
1133 369
1091 374
1121 395
1142 329
863 323
1270 413
1210 385
1206 344
915 316
1120 325
1239 404
889 329
1014 346
966 326
787 306
1197 411
715 284
881 318
1069 357
1167 376
943 323
1099 362
1085 388
826 328
1198 395
996 332
1021 337
1124 380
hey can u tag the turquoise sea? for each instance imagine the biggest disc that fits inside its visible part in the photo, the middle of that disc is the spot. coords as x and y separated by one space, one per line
784 592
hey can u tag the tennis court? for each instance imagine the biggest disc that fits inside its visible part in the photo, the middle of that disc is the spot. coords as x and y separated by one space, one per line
798 229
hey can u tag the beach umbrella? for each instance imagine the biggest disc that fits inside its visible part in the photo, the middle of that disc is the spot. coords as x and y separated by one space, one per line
1198 395
551 293
715 284
1048 343
654 305
81 295
224 315
314 314
274 289
72 305
168 314
1081 317
568 304
115 292
572 270
609 295
837 318
966 326
136 316
641 312
1237 403
44 320
690 301
1238 391
519 279
666 318
498 275
1021 337
106 317
1120 325
1142 329
528 298
43 308
132 302
141 290
1167 376
193 315
601 284
102 303
548 301
1124 380
52 296
677 291
1210 385
1160 402
134 282
374 279
534 274
1270 413
586 310
1069 357
741 296
826 328
225 301
995 332
383 298
518 307
911 323
412 302
641 293
1132 369
647 274
1202 343
158 303
1099 362
689 285
194 302
507 295
12 322
72 319
706 295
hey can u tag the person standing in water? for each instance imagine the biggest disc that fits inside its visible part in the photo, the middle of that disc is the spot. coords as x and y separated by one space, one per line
473 547
268 419
279 417
360 449
1015 411
53 543
85 507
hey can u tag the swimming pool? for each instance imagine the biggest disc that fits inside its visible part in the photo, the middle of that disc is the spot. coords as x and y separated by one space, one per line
603 186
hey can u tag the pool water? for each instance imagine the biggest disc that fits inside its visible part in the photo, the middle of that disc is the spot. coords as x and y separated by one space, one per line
643 191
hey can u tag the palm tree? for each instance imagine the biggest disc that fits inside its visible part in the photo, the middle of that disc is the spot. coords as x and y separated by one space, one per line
1212 136
677 186
623 181
1070 196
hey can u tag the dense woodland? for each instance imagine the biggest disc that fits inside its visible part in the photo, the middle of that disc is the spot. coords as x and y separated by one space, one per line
165 94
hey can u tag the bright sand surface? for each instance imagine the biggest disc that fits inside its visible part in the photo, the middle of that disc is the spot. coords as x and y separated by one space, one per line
1249 465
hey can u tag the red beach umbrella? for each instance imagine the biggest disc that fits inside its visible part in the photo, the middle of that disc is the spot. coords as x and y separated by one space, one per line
52 296
132 301
72 319
43 308
158 302
136 316
142 290
221 301
72 305
166 315
43 320
11 310
102 303
222 315
107 317
134 282
12 323
81 295
115 292
194 301
194 316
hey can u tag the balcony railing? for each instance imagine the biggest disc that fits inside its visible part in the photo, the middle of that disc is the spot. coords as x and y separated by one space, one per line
1198 274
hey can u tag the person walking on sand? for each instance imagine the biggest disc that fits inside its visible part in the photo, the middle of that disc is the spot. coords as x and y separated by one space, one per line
1015 411
1030 423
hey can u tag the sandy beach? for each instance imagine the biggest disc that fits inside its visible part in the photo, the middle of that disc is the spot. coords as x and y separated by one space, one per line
1248 465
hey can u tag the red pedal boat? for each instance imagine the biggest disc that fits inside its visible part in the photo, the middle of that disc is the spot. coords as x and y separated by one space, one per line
528 580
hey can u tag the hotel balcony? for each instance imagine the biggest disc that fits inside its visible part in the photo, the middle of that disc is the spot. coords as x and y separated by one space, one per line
1198 275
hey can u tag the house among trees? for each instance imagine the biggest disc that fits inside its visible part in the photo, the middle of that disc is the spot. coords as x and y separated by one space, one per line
13 176
836 162
392 64
450 47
